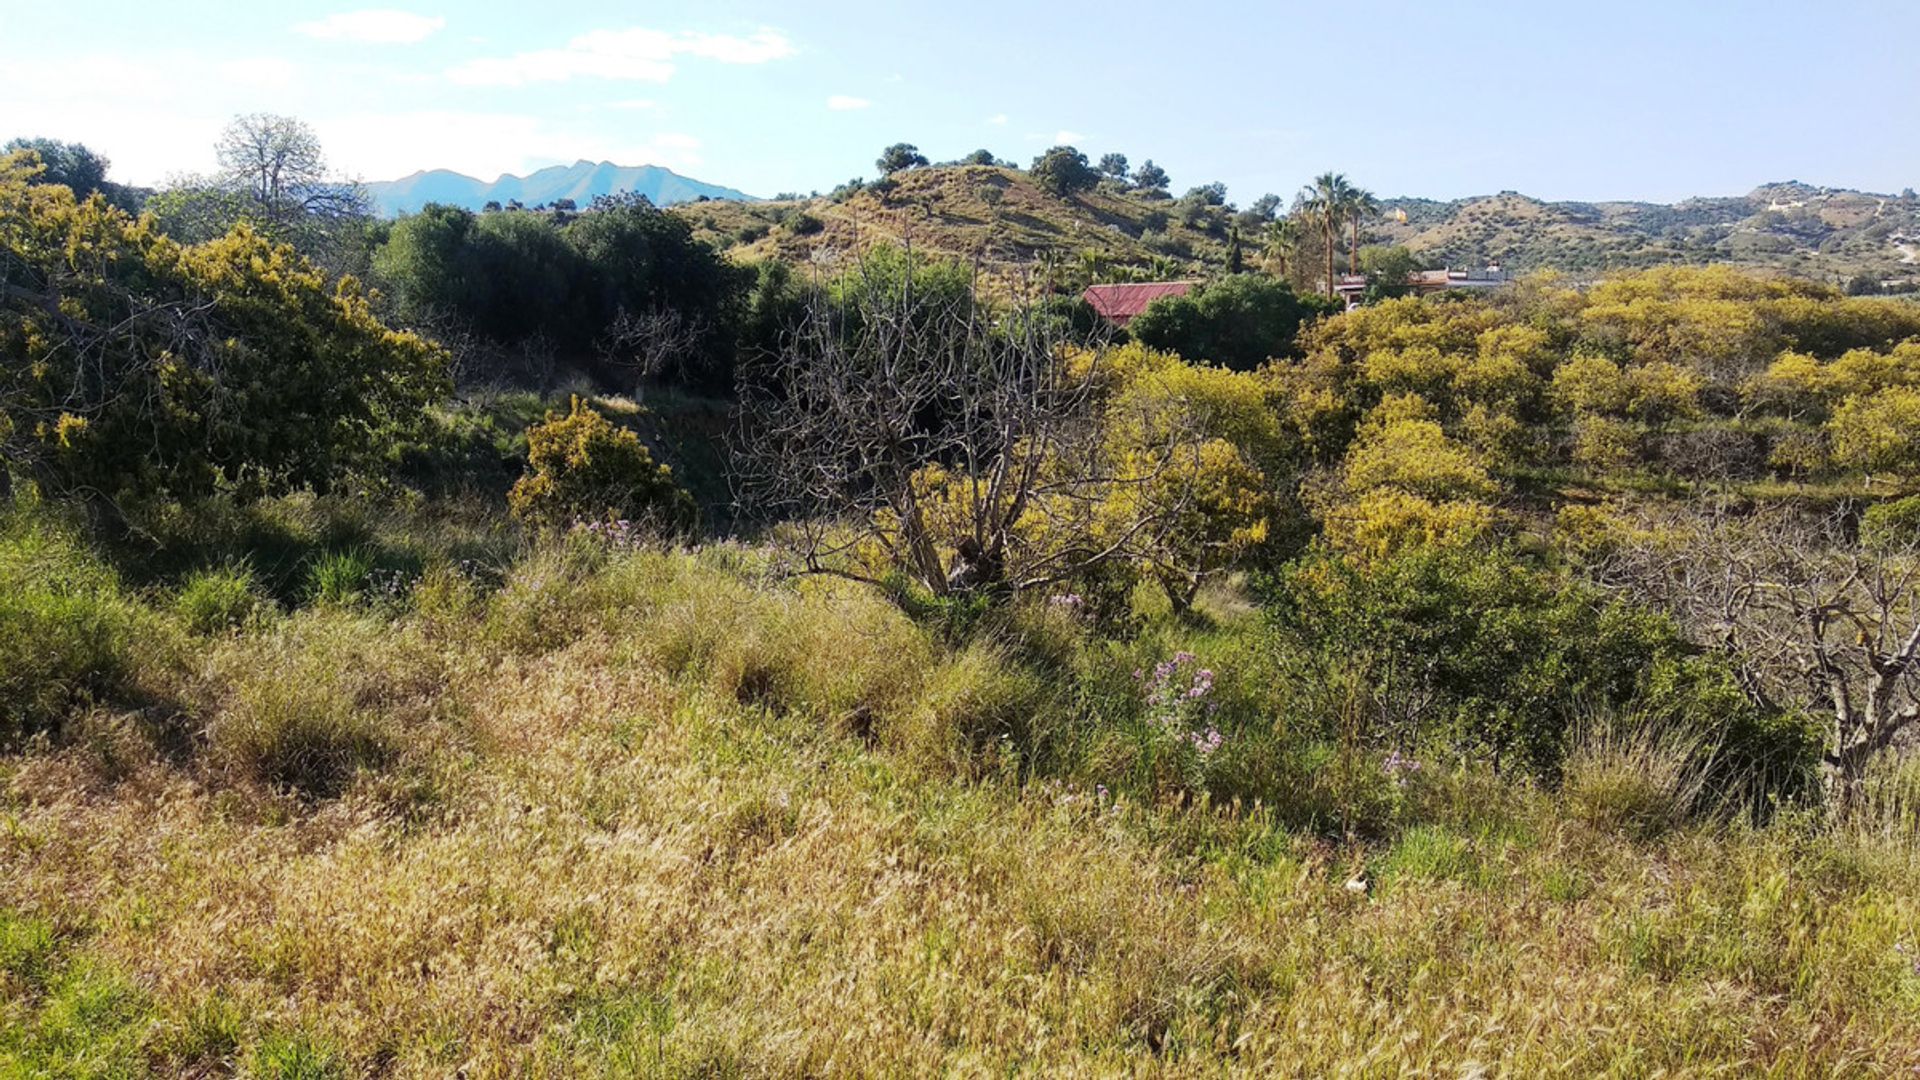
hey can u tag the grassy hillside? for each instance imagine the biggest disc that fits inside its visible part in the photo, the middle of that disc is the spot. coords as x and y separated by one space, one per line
1002 216
998 215
611 813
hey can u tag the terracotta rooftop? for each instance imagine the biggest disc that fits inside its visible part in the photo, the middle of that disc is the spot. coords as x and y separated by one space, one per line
1118 304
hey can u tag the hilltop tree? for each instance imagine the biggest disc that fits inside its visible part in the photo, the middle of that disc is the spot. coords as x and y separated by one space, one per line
1214 194
980 157
1150 178
900 157
1114 166
1063 170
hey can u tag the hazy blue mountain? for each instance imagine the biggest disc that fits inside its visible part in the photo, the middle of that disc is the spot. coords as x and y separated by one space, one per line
580 181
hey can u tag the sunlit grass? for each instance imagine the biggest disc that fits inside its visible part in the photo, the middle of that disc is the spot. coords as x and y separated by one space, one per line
663 813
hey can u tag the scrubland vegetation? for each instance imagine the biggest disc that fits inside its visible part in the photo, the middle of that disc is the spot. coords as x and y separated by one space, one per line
1520 684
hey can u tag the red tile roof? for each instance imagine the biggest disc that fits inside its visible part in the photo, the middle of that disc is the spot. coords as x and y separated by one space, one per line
1120 303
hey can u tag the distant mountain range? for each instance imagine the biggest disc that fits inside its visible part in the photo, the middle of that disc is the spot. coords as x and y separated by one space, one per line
580 181
1835 233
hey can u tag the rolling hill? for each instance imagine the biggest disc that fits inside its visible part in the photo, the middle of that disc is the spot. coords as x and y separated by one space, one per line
1002 217
1819 232
995 214
581 182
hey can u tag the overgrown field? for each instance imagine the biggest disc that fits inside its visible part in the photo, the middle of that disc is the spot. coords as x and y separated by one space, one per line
909 678
589 809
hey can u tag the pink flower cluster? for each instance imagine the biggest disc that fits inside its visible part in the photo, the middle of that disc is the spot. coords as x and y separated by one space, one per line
1180 703
1206 742
620 534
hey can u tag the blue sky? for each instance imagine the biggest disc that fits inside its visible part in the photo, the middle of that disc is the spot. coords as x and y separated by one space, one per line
1631 99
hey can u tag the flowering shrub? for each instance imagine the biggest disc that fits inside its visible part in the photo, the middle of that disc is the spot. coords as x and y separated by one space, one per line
1180 709
583 466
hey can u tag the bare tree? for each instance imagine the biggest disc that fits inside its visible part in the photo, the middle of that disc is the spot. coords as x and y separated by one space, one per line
276 161
1812 619
649 343
956 439
272 176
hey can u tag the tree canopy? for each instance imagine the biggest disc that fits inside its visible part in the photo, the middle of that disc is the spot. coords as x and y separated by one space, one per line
1063 170
1239 321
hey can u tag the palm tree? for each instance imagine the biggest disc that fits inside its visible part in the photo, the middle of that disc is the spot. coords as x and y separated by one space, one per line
1278 238
1324 202
1360 205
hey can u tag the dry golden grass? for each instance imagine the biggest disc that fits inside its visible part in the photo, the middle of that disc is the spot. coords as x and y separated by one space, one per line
965 212
655 815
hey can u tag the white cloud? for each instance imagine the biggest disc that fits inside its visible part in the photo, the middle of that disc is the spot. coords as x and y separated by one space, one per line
998 119
633 104
846 103
1063 137
637 54
378 27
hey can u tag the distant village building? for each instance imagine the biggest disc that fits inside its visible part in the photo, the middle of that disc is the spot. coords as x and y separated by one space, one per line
1351 286
1118 304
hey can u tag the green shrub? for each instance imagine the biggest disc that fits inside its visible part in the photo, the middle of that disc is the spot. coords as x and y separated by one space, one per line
1482 655
1239 321
581 467
340 577
210 601
1893 525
